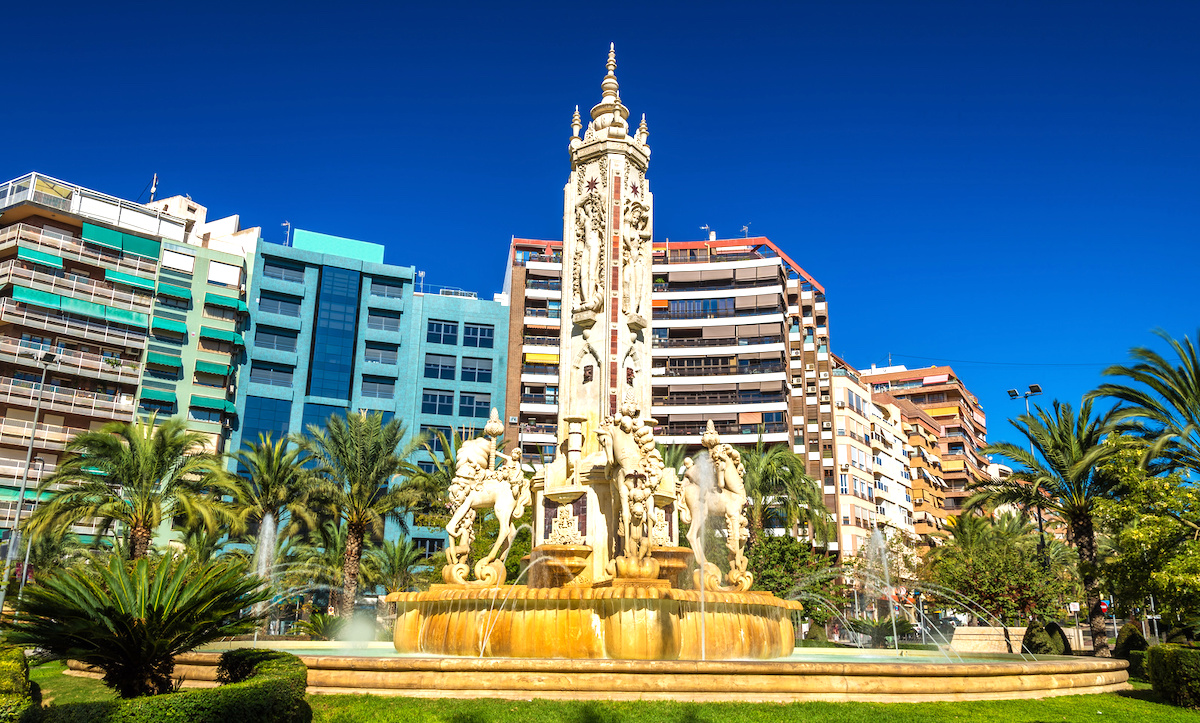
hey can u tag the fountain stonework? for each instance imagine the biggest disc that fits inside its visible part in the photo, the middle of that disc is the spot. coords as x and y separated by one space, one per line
606 576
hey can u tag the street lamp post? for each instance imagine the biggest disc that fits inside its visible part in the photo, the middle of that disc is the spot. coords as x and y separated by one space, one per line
41 463
1034 390
45 359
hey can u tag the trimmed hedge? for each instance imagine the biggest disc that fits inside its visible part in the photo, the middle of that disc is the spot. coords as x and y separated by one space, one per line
1058 639
18 698
817 633
1137 664
1130 638
256 685
1175 674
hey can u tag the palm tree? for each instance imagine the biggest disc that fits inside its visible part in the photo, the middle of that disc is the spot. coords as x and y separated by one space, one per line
358 456
318 560
391 564
138 474
672 455
276 483
1063 475
1161 404
777 487
425 491
131 620
967 532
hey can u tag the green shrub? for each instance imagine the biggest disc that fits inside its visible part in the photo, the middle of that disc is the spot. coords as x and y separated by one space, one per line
1175 674
1137 664
17 697
817 633
1130 638
919 646
1037 641
322 627
817 644
256 685
1058 639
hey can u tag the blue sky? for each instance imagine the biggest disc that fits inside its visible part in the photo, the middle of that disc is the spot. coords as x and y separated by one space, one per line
1010 183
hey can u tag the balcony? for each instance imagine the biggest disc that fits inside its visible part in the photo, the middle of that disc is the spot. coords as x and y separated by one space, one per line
17 313
70 247
51 192
693 429
544 284
524 257
530 340
76 287
538 428
548 370
70 361
677 314
723 371
659 343
47 436
701 398
715 285
539 399
543 313
60 399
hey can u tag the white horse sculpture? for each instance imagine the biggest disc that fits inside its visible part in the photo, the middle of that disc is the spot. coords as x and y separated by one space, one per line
724 497
478 485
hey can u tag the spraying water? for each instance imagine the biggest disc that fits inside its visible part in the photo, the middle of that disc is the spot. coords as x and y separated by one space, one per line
704 473
877 555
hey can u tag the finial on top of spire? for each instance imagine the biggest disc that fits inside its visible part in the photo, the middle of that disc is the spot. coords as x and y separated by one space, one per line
576 123
643 131
612 93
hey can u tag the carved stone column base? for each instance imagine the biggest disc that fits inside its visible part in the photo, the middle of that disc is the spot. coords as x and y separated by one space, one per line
630 568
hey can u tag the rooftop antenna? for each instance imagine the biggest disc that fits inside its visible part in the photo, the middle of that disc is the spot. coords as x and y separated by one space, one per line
287 238
153 187
746 229
421 278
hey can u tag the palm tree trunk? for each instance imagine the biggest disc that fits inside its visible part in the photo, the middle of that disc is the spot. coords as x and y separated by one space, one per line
139 537
1085 540
350 564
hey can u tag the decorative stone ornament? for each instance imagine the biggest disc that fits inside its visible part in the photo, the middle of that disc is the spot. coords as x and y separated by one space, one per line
713 487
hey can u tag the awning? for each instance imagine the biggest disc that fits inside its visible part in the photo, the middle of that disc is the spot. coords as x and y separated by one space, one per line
38 298
750 418
208 367
541 358
207 332
219 405
39 257
226 301
124 316
164 360
935 379
158 395
175 292
102 236
129 280
175 327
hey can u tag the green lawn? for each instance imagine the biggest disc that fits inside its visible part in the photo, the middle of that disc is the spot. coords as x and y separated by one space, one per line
1138 705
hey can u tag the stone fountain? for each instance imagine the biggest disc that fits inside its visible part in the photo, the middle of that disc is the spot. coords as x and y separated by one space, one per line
606 577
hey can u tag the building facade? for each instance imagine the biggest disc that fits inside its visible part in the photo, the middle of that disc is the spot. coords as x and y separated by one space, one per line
941 394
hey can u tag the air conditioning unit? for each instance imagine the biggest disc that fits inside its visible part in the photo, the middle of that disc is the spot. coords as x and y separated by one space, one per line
824 375
826 425
841 405
845 468
808 367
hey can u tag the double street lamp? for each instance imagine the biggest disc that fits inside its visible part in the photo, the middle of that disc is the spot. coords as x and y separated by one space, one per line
1034 390
44 359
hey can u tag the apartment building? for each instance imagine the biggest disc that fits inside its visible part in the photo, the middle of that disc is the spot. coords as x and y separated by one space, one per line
78 272
739 335
196 347
941 394
873 485
334 330
921 434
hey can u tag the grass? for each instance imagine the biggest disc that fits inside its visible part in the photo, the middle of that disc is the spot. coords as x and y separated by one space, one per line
1140 704
57 687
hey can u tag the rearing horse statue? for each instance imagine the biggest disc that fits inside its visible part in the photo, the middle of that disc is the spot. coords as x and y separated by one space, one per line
634 464
723 496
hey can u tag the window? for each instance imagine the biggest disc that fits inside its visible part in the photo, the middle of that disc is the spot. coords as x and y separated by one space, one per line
178 261
381 353
214 346
383 320
221 274
279 304
439 366
477 370
436 401
434 435
266 416
426 466
165 409
172 303
205 379
276 376
196 414
267 338
283 273
386 290
334 334
442 332
319 414
212 311
479 335
379 387
474 404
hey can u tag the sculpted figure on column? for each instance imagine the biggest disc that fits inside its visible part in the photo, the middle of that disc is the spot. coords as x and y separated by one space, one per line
635 239
589 254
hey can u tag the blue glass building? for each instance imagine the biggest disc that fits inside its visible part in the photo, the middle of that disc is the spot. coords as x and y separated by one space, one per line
334 330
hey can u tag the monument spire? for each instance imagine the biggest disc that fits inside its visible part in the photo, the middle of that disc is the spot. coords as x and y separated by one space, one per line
610 112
